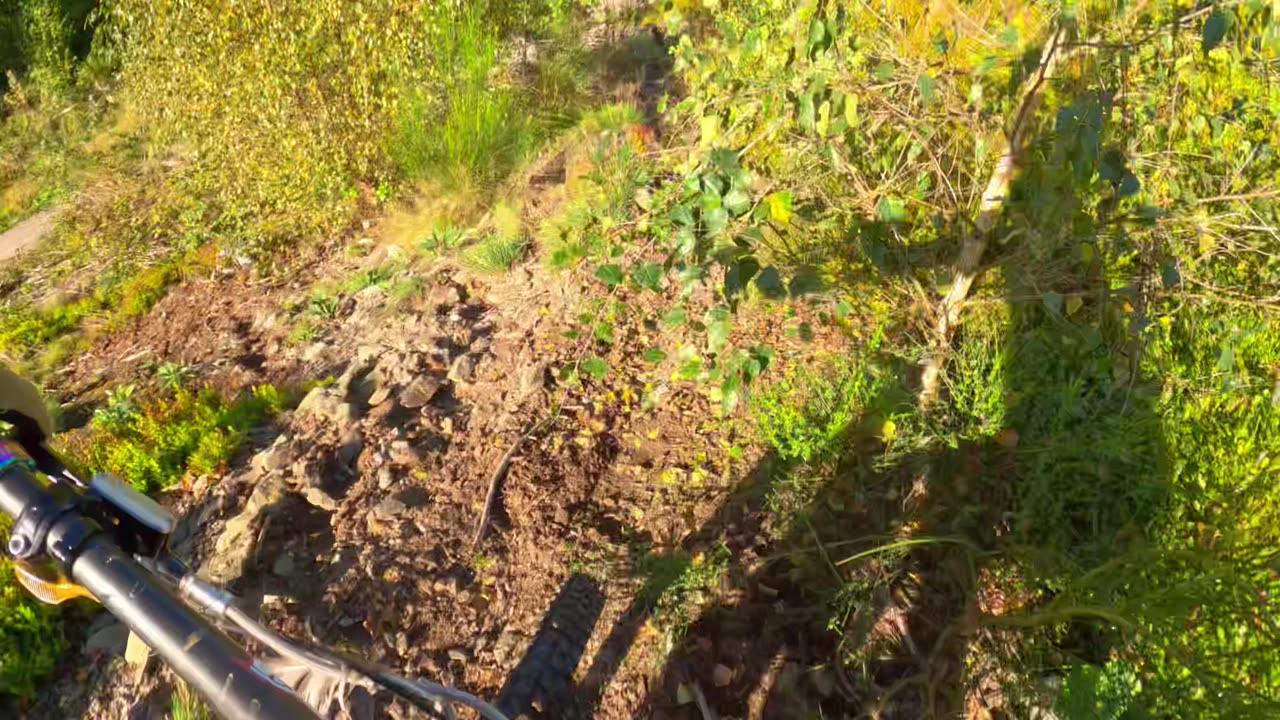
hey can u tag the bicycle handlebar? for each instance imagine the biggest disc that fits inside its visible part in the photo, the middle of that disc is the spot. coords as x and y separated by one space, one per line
221 671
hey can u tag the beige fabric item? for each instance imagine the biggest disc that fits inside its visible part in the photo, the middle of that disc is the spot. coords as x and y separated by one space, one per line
20 395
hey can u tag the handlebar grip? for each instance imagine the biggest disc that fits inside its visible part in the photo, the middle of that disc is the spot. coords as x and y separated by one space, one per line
221 671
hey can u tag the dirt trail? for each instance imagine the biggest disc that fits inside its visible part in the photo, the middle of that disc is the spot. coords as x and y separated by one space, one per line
26 233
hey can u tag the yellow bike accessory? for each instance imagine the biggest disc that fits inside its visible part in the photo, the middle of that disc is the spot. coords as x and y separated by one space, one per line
47 583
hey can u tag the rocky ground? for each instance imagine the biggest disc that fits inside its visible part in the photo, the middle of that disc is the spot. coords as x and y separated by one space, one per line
351 522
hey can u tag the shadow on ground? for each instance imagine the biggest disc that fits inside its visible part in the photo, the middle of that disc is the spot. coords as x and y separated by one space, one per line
887 580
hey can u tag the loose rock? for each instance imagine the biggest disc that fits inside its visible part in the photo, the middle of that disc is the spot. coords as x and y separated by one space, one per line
389 507
420 391
328 404
110 640
283 566
350 447
463 369
239 536
320 498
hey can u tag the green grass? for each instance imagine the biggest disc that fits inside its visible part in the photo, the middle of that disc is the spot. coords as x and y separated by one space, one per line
495 254
475 131
184 704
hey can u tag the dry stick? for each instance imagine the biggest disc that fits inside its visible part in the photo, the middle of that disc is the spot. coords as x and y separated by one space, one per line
496 479
975 244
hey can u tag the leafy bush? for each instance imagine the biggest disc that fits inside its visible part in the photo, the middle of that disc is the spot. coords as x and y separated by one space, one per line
292 111
30 635
155 445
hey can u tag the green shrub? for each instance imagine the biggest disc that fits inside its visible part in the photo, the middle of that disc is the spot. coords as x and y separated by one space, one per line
469 129
30 635
155 445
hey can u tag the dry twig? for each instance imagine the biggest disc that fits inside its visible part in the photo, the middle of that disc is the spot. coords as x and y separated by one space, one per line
496 479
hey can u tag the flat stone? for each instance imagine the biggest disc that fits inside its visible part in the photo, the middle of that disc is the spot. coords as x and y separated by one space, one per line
240 534
463 369
389 507
274 458
328 404
420 391
380 395
111 640
320 498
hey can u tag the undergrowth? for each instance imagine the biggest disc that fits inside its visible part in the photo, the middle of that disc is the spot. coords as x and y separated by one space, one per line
156 444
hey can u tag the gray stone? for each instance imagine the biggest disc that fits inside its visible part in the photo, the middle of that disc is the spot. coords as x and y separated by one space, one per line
380 395
319 498
240 535
283 566
328 404
442 296
532 378
274 458
385 478
403 453
389 507
350 447
420 391
463 369
110 639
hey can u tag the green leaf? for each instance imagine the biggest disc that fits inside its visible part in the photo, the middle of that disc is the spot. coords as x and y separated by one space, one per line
770 284
726 161
675 318
738 275
1129 185
682 215
596 367
884 72
1226 359
610 275
928 89
648 276
730 393
779 204
737 202
807 116
843 310
604 332
805 282
1215 29
891 209
716 220
719 322
817 34
1052 302
690 369
654 355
